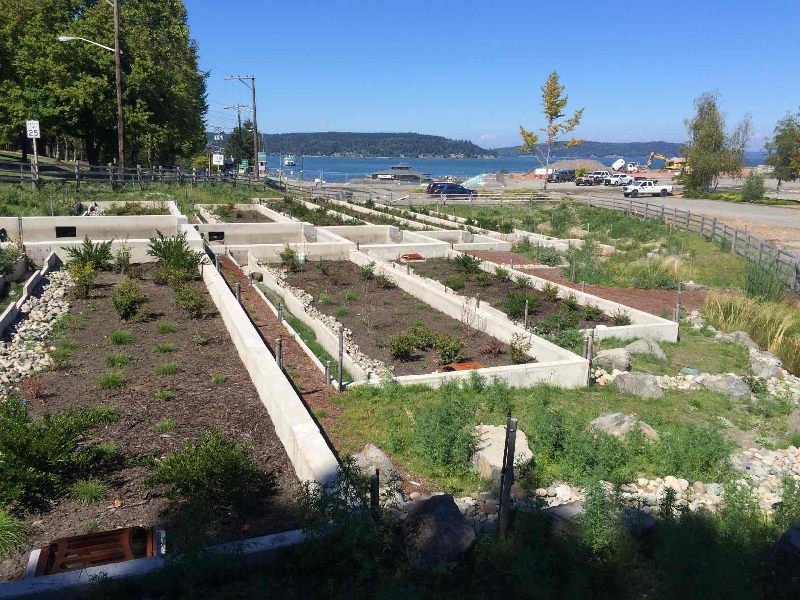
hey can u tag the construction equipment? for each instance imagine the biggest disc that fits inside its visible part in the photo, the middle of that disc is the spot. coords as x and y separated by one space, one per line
670 164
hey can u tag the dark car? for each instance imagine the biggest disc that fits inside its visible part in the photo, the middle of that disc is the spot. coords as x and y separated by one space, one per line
561 176
434 185
452 189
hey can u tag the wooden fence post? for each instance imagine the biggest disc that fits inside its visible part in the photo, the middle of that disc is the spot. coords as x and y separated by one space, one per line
110 174
194 177
139 176
507 476
77 178
161 174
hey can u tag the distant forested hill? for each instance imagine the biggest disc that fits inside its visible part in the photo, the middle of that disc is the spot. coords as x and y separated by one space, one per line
393 145
600 149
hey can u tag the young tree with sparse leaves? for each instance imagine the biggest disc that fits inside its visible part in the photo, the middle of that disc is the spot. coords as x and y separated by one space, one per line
710 152
554 103
783 150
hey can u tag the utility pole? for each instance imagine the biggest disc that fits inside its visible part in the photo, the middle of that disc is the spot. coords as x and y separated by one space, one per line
252 86
239 108
118 67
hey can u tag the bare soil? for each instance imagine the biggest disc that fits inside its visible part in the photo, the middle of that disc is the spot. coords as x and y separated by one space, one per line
374 314
233 407
244 216
495 292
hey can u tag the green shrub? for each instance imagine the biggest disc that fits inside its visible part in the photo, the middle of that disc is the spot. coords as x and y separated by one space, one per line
592 312
166 327
549 256
349 297
200 340
165 425
696 453
82 276
89 490
518 349
118 359
402 346
621 318
122 261
570 301
12 533
456 282
444 435
218 379
214 471
788 511
468 264
127 299
167 275
422 337
164 394
8 258
502 274
514 304
122 337
192 301
174 252
367 271
754 188
600 519
170 368
97 255
290 260
384 281
522 283
111 380
550 292
340 312
163 347
483 279
449 349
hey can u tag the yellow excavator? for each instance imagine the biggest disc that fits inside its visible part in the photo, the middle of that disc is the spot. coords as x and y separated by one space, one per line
670 164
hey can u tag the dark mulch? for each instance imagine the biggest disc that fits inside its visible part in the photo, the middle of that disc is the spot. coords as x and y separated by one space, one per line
378 313
441 269
232 407
244 216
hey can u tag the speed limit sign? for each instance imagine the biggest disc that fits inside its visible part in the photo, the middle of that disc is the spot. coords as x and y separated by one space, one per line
33 129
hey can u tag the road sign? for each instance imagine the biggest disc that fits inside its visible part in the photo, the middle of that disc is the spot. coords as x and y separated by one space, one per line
33 129
262 157
218 159
245 163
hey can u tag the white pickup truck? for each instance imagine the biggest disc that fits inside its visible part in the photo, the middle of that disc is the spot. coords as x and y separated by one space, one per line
650 186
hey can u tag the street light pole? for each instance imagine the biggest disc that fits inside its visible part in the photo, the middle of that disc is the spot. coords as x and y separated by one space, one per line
120 113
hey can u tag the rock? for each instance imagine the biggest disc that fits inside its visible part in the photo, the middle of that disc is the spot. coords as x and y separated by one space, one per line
488 459
639 384
793 423
564 516
713 489
616 358
692 286
436 533
619 424
689 371
683 485
636 521
786 551
670 481
727 384
740 337
372 458
646 346
650 499
766 370
699 488
563 492
257 276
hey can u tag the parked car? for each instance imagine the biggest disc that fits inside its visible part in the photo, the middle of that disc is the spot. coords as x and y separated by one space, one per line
453 189
561 176
589 179
601 174
641 188
618 179
434 185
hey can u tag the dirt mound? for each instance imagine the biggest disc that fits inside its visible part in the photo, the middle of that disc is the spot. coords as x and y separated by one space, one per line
576 163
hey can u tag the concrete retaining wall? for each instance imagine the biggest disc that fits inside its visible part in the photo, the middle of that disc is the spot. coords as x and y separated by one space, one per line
11 313
305 445
258 233
463 240
41 229
368 212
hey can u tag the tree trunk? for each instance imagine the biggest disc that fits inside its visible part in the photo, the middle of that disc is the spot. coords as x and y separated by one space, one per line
22 144
92 151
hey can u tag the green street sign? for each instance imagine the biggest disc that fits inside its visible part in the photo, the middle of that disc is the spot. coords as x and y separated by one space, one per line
245 163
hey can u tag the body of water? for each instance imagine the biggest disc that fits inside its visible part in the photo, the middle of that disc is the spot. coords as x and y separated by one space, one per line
337 170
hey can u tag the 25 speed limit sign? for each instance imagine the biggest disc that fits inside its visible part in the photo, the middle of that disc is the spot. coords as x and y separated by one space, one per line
33 129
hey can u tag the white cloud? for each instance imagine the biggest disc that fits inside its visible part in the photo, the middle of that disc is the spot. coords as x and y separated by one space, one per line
488 137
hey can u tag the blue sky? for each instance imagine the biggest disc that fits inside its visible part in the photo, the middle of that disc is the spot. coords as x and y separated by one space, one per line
472 70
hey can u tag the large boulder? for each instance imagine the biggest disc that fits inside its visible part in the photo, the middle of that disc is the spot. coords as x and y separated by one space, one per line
372 458
766 365
436 532
740 337
646 346
488 459
639 384
616 358
619 424
730 385
793 423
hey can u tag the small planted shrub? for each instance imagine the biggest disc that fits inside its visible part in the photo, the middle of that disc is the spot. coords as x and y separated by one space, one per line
166 275
514 304
549 256
97 255
449 349
12 533
518 349
82 276
621 318
384 281
592 312
163 347
218 379
422 337
192 301
367 271
122 261
170 368
522 283
122 337
118 359
483 279
127 299
166 327
164 395
111 380
215 471
200 340
351 297
550 292
570 301
468 264
340 312
33 386
290 260
493 347
402 346
175 252
324 267
325 299
165 425
88 490
502 274
456 282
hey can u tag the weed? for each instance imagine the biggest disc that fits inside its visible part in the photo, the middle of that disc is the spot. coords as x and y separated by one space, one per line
82 276
550 292
122 337
163 347
456 282
111 380
93 526
351 297
324 267
321 413
518 349
170 368
122 261
33 386
218 379
444 435
200 340
165 425
97 255
88 490
367 271
325 299
61 359
192 301
127 299
420 306
166 327
340 312
164 395
12 533
118 359
764 283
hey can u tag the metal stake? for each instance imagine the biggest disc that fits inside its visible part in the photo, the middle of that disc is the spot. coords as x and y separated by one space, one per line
239 292
678 305
341 355
572 279
590 354
280 312
327 372
216 262
691 265
279 352
527 303
583 286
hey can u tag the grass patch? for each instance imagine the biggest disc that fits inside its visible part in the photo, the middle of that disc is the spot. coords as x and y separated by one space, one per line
164 394
170 368
122 337
163 347
165 425
12 533
89 490
200 340
118 359
111 380
219 379
166 328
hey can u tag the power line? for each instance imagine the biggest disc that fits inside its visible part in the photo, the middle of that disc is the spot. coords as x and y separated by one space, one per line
252 86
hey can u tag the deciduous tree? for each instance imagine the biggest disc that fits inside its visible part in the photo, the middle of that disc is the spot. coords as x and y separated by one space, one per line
783 149
554 103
